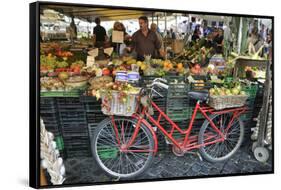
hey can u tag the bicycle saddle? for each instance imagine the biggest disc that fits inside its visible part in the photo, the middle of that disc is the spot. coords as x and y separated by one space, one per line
202 96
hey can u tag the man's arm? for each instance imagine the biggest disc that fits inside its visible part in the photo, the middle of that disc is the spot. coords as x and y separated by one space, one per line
133 43
157 42
94 36
105 36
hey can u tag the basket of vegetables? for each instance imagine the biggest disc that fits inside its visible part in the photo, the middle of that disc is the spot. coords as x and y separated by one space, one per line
119 99
228 96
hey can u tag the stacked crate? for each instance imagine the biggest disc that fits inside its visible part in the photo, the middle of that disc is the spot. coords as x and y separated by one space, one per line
202 86
161 103
247 117
157 99
177 102
94 114
73 122
49 114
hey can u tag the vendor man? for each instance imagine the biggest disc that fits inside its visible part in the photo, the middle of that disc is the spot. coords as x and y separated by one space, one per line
144 41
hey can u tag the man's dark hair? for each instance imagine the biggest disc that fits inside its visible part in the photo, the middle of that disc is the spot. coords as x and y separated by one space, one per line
97 20
193 19
144 18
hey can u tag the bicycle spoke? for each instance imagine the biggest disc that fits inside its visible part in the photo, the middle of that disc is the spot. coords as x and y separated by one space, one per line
139 141
134 159
132 164
209 148
139 155
136 156
107 142
223 149
126 132
110 131
130 134
106 135
214 149
228 146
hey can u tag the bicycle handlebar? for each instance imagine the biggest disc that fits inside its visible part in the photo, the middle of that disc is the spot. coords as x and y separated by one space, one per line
160 79
161 84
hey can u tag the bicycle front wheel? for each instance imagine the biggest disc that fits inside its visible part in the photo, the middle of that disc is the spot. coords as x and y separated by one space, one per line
220 151
108 154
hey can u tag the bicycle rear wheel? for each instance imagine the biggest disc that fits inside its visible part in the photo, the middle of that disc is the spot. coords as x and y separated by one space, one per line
221 151
108 154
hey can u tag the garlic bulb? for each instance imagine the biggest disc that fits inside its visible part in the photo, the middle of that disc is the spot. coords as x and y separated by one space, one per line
49 154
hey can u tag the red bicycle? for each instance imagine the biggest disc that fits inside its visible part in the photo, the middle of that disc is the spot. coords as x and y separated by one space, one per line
124 146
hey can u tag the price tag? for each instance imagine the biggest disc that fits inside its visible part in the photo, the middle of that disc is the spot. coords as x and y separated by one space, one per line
94 52
90 61
190 79
117 36
108 51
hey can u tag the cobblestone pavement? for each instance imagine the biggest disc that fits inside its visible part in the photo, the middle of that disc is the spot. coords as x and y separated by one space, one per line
167 165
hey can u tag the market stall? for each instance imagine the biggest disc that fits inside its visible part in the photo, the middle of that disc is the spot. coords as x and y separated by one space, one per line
78 80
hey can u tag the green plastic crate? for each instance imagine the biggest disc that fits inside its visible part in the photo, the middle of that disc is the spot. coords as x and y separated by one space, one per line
178 115
59 142
251 90
246 117
108 152
190 112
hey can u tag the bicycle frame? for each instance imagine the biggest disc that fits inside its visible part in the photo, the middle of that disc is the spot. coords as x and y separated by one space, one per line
188 142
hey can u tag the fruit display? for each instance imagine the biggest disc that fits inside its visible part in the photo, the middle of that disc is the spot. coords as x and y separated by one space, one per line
158 67
51 84
197 53
76 81
63 76
61 64
65 54
47 62
50 62
122 88
100 82
228 89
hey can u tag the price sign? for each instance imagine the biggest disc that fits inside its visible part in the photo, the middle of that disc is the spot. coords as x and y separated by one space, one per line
108 51
94 52
90 61
117 36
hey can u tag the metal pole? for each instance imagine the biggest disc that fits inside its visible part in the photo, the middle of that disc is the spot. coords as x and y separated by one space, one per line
165 22
264 110
176 29
239 36
157 21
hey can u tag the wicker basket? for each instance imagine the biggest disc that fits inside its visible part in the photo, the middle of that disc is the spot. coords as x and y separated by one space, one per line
114 105
222 102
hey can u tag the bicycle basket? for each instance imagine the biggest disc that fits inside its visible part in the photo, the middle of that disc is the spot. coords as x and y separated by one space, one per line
119 103
231 101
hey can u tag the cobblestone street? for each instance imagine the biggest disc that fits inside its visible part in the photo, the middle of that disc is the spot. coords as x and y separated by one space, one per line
167 165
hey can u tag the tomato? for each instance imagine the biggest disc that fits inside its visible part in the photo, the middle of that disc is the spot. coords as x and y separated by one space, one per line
76 70
105 71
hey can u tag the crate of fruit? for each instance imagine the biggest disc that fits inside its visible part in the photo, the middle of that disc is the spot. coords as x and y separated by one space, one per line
118 98
198 83
229 101
119 103
227 97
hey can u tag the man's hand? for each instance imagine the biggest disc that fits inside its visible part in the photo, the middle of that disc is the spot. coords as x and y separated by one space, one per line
162 52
